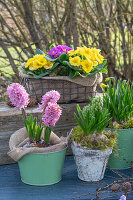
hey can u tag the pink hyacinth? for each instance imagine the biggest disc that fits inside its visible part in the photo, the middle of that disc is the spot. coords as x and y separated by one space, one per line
18 95
55 52
52 114
51 96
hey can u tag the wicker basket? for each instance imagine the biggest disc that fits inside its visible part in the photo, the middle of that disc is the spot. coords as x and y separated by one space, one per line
77 89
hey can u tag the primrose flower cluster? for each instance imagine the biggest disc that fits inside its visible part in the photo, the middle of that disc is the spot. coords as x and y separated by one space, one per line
38 61
62 60
55 52
86 58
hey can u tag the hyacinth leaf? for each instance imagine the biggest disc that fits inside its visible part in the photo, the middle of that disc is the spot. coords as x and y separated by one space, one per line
25 123
91 126
30 127
38 51
82 118
34 131
39 130
80 123
38 76
98 125
34 126
80 112
106 123
47 134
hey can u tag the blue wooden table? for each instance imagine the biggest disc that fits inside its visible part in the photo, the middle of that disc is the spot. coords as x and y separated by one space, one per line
11 187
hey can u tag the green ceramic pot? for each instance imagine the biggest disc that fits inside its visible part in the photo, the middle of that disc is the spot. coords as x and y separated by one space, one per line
42 168
125 150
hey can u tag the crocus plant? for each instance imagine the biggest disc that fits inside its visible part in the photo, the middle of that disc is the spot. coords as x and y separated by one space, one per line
62 60
48 108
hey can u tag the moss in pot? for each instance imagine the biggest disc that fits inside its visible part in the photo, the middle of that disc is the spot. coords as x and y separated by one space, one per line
118 99
92 145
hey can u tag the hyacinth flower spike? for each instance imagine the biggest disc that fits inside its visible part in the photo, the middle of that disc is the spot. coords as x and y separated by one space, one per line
18 96
51 112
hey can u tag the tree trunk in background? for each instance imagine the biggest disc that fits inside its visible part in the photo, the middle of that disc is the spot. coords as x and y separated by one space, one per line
124 45
75 31
71 24
68 32
30 22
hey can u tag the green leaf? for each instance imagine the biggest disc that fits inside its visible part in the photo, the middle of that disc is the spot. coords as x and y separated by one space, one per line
63 57
54 66
47 134
37 76
38 132
71 46
51 46
76 73
38 51
73 74
50 58
66 63
80 123
80 112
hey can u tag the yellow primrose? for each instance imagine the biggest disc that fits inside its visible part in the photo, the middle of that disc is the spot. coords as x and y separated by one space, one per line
79 50
29 62
38 61
85 51
76 61
97 51
48 64
72 52
99 59
35 65
42 61
87 65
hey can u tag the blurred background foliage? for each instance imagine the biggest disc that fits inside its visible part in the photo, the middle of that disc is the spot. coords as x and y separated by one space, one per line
26 25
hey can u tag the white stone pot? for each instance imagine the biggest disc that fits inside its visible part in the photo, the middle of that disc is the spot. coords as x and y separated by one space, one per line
91 164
